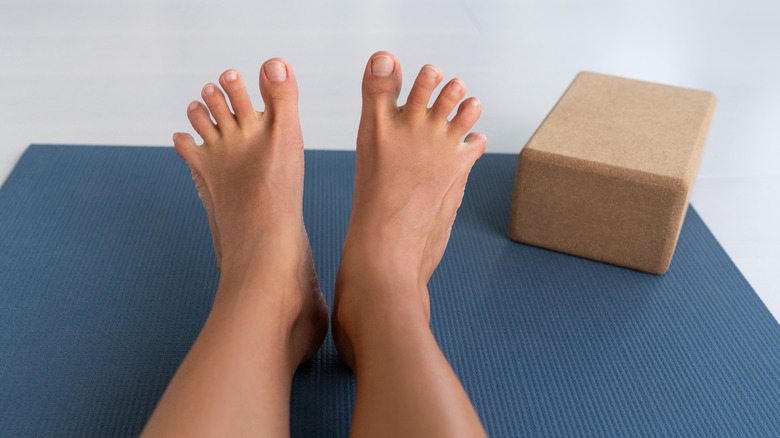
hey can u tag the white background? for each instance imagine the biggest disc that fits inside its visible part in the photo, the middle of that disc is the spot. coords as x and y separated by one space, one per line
123 72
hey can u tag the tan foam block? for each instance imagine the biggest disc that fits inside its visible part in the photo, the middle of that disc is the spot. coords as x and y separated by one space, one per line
608 175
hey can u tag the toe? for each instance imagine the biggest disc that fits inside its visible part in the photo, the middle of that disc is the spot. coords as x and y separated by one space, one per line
428 79
450 95
467 115
474 145
279 88
218 107
239 99
201 122
382 82
185 146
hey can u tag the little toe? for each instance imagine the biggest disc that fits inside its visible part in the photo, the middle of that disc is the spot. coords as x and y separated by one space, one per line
450 95
279 88
474 145
239 99
427 80
201 122
467 115
218 106
185 146
381 82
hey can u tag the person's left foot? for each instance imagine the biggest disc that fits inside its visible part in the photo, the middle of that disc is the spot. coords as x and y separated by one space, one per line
249 175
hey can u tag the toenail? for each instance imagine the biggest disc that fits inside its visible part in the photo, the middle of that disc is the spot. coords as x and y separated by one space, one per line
430 71
193 106
457 85
231 76
208 90
275 71
382 65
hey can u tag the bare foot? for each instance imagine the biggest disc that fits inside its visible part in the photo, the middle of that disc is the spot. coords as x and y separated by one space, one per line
410 176
249 175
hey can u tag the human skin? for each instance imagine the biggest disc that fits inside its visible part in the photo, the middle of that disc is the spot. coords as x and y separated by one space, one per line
269 314
410 176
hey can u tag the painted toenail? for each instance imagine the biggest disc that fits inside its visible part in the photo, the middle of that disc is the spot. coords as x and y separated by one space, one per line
382 65
231 76
275 71
208 90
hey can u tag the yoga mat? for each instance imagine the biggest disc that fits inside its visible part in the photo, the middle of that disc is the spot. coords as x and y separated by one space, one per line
107 275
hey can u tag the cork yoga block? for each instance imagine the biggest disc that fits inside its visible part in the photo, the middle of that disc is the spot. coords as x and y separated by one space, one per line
608 175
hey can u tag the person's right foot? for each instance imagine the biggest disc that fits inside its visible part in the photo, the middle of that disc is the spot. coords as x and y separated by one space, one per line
410 177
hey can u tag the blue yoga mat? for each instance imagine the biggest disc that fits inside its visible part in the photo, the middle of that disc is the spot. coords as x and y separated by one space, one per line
107 275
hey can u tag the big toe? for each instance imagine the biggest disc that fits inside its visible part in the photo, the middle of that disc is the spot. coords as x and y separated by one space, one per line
381 82
279 88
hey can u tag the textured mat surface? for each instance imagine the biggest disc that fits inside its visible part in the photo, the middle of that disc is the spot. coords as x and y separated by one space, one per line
107 274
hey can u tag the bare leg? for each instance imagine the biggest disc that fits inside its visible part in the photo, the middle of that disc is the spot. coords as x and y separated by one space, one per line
409 182
269 314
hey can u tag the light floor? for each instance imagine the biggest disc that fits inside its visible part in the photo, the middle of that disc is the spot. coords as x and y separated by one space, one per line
122 73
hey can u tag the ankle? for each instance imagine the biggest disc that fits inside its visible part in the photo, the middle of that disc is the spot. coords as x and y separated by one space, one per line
376 334
259 287
367 296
